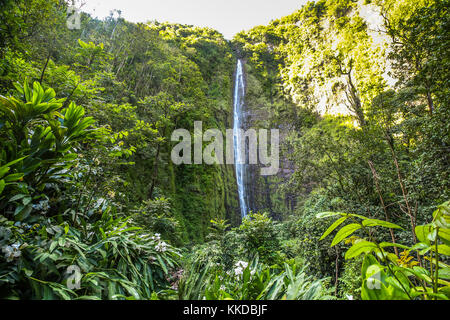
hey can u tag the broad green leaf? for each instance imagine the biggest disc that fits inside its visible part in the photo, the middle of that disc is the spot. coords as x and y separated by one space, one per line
332 227
88 298
442 249
17 197
27 272
9 164
22 212
3 170
344 232
162 264
416 271
131 291
26 90
38 93
444 273
13 177
444 234
26 200
423 232
53 245
360 247
381 223
443 211
326 214
420 246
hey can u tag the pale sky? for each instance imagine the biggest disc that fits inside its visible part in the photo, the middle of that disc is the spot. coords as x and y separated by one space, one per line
227 16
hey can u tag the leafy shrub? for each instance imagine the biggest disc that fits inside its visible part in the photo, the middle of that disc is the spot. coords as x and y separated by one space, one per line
114 260
155 214
388 276
42 245
37 143
349 286
257 281
260 237
198 267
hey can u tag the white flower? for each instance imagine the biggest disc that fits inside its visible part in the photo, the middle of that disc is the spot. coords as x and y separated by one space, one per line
11 252
241 264
238 271
41 206
349 297
16 245
44 205
156 237
161 246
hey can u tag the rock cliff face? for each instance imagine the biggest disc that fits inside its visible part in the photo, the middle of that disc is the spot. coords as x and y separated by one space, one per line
290 68
264 193
209 192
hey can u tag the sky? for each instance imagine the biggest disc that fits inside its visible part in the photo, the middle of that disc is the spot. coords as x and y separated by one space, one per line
227 16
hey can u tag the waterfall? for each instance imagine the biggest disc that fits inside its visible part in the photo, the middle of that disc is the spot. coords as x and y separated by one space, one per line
239 159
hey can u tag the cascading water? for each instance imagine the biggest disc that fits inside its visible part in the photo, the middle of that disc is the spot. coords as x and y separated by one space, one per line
239 158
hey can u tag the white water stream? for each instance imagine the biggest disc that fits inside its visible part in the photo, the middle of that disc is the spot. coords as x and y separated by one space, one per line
239 157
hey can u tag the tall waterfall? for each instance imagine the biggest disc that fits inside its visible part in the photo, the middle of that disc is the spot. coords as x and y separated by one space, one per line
239 158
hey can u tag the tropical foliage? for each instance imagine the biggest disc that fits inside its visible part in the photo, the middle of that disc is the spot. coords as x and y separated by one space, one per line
92 207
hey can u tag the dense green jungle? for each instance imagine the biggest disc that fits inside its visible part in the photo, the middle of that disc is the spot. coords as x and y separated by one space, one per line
93 207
